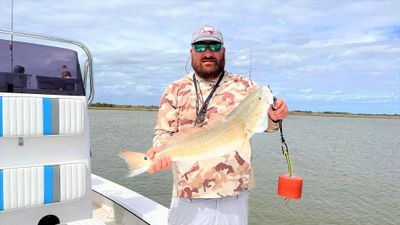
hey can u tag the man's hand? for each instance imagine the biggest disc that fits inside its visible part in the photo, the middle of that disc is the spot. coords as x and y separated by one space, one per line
278 111
161 163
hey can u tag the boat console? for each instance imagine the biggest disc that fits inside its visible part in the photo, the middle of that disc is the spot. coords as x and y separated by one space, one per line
45 175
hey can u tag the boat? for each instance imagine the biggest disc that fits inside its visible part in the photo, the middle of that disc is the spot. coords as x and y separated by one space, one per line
45 156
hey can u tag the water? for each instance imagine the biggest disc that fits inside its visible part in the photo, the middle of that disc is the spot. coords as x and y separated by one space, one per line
350 167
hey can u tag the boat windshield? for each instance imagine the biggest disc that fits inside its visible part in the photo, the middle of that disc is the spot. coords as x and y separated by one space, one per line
39 69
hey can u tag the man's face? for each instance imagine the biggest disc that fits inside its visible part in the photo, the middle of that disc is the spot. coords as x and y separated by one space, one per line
208 64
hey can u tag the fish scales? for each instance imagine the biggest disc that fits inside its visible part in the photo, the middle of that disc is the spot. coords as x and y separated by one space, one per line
207 142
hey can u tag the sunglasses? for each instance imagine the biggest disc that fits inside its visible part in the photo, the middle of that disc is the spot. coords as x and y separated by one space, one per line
214 47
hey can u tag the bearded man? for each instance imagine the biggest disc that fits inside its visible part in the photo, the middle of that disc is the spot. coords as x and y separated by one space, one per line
212 191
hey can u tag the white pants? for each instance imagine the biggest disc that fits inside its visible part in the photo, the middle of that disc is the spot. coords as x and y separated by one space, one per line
232 210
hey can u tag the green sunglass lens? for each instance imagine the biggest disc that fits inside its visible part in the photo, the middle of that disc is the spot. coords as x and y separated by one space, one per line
215 47
200 48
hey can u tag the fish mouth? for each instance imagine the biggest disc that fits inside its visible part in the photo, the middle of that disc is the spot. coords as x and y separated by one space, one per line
267 95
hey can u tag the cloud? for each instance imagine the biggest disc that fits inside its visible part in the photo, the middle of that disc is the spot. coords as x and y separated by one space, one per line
320 52
336 92
305 90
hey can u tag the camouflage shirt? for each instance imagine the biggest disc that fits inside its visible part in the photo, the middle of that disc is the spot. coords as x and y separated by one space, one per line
211 178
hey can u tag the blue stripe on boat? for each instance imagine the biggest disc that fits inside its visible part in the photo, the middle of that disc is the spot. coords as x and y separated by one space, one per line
1 116
48 184
47 121
1 191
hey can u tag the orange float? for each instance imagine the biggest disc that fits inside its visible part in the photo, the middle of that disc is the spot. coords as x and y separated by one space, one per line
289 186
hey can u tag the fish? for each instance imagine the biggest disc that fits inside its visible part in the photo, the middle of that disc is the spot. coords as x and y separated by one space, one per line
226 135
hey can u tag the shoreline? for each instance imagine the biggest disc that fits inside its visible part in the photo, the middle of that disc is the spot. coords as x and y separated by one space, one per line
126 108
292 113
345 115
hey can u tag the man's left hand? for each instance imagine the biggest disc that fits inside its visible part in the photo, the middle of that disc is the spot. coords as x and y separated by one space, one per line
278 111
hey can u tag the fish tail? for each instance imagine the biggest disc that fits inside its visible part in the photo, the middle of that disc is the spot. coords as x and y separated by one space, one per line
137 162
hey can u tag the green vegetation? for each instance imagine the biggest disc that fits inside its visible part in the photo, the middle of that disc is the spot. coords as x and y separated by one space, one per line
300 111
343 114
329 112
108 106
99 104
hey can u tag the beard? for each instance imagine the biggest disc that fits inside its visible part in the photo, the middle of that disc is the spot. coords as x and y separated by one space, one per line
209 72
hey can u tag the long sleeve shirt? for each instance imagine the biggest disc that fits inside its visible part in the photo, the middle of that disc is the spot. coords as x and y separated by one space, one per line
212 178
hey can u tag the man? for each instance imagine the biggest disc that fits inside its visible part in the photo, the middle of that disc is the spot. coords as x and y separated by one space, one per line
212 191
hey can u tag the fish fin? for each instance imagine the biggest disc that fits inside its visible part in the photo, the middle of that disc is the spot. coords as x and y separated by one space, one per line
137 162
215 118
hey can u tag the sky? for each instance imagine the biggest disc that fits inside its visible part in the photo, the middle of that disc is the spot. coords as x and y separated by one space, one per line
330 55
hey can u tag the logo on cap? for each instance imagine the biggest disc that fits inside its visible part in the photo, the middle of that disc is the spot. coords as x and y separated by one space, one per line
208 30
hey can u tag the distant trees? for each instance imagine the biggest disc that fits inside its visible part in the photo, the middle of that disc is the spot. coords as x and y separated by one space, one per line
99 104
301 111
154 108
127 107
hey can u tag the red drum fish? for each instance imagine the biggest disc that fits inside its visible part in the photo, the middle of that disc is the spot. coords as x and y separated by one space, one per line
220 138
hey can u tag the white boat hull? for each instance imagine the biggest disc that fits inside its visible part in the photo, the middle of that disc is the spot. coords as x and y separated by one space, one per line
115 204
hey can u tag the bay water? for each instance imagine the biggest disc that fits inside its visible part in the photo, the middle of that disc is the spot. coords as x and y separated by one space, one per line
350 167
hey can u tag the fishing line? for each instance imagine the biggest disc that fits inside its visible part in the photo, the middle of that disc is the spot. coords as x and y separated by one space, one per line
289 186
187 63
286 201
285 150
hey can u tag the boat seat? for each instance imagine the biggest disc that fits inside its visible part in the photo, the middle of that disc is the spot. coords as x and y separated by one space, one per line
37 116
25 187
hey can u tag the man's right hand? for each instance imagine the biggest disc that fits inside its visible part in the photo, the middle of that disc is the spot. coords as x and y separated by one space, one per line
161 163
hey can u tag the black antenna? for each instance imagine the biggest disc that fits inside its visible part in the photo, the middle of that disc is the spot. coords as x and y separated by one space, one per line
12 36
